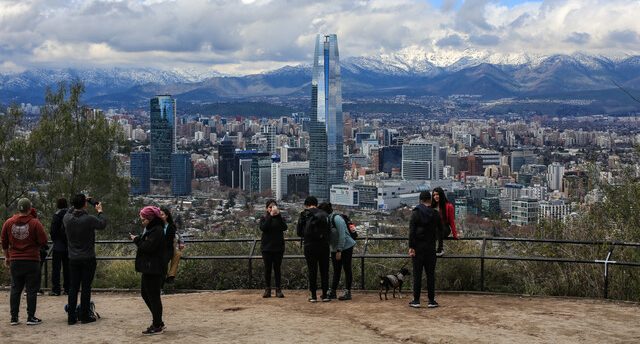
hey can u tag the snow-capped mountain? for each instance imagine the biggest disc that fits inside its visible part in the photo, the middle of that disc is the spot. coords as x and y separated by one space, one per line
412 71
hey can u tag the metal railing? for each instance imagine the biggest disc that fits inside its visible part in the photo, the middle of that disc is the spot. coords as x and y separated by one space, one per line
251 255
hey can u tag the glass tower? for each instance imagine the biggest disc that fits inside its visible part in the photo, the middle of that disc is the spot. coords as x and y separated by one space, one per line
326 161
181 174
163 135
140 173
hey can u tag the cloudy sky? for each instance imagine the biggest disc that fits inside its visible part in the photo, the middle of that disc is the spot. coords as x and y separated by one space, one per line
247 36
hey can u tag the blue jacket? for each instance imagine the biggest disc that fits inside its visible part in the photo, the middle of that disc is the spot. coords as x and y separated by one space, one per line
340 239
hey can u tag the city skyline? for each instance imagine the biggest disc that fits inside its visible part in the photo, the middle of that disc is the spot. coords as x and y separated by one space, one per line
236 37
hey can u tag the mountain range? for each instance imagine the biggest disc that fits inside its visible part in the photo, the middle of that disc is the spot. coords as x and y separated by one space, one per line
411 73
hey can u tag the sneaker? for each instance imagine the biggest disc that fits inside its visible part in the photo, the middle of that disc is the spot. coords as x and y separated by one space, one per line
332 294
440 253
313 299
54 293
40 292
325 298
14 321
432 304
33 321
346 296
153 330
414 304
267 293
279 293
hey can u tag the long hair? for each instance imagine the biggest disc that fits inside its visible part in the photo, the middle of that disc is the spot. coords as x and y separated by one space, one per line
167 212
442 203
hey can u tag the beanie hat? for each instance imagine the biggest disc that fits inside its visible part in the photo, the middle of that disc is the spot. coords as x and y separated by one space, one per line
150 212
24 205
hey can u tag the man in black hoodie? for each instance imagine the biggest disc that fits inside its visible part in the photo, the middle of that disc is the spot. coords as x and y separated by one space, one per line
313 228
425 229
80 229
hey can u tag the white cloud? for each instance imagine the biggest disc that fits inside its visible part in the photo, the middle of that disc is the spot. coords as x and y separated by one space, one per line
242 36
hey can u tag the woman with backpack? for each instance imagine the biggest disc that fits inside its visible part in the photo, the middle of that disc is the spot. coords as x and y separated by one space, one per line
151 262
341 245
440 203
272 226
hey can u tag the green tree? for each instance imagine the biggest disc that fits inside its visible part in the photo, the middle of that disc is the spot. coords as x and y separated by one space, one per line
76 148
16 161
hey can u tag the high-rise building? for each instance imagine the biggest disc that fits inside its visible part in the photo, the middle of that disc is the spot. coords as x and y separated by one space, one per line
140 173
520 157
420 160
226 152
555 173
326 161
269 131
389 158
524 211
280 172
554 210
163 135
181 174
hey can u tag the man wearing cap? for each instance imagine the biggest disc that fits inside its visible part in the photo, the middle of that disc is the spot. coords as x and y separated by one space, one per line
22 237
80 229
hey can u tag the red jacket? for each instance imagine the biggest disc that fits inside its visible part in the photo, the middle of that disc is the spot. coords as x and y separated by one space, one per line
450 220
22 237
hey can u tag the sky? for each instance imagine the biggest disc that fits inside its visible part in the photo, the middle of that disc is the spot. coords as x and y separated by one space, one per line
251 36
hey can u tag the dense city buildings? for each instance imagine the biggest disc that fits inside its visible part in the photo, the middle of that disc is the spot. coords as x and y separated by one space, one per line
326 164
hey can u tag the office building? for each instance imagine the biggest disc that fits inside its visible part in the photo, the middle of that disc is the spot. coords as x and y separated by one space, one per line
226 151
140 173
280 172
524 211
181 174
163 135
555 173
420 160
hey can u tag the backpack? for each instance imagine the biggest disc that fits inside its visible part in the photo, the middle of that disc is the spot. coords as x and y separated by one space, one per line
92 310
351 226
316 227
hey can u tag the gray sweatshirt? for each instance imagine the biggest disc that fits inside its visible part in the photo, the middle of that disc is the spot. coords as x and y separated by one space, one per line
80 228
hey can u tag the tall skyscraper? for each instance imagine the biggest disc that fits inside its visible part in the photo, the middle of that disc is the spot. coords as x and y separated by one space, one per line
326 161
226 151
140 173
163 135
555 172
181 174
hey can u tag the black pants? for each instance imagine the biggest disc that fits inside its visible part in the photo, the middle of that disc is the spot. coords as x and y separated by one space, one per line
150 287
24 273
317 256
272 260
338 265
81 273
424 259
60 262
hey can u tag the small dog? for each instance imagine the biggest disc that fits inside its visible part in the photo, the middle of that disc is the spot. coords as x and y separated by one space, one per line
393 281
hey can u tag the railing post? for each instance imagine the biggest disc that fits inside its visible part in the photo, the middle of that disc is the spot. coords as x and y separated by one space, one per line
253 248
606 273
482 252
364 253
46 274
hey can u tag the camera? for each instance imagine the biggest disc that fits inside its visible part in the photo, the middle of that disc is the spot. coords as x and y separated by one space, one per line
92 201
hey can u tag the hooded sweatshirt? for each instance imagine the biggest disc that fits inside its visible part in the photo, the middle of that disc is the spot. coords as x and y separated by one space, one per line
425 228
22 237
80 228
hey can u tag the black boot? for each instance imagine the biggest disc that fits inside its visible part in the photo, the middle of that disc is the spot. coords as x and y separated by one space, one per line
267 292
279 293
346 296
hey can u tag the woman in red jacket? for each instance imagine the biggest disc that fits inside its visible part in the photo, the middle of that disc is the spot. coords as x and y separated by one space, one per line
440 202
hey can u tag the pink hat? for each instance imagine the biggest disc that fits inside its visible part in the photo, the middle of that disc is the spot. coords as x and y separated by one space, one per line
150 212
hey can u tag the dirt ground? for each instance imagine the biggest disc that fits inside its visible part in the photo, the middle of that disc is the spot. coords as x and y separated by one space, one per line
245 317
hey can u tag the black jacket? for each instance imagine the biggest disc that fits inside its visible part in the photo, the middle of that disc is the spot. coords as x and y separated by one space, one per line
272 228
150 257
305 216
425 228
80 228
56 230
169 237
